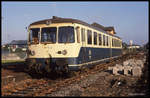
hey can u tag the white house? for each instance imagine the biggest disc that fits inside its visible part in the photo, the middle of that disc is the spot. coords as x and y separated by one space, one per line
134 46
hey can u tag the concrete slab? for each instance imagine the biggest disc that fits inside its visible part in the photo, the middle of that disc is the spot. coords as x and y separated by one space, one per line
119 66
110 68
140 63
125 63
127 69
137 71
115 71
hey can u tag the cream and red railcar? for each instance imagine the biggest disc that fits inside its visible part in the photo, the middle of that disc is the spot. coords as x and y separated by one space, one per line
63 43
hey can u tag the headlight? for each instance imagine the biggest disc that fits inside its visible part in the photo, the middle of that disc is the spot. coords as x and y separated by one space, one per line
64 52
28 51
32 53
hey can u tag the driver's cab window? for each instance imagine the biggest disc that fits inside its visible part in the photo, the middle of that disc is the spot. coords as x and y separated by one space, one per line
34 35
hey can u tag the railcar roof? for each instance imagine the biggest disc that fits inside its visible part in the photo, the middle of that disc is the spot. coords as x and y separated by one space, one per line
69 20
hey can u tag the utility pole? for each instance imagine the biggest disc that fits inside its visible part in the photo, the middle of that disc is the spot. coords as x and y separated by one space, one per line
7 36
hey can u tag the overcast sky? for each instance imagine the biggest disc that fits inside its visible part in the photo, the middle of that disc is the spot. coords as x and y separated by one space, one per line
130 19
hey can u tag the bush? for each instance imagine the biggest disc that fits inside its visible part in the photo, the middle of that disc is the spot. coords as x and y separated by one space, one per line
18 50
21 55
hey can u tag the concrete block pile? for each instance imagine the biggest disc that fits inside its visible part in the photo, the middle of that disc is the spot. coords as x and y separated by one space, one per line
130 67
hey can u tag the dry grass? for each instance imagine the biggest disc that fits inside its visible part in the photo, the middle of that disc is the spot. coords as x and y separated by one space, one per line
11 61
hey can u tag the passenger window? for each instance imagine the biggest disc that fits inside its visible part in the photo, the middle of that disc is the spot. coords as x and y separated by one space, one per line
89 36
66 34
95 38
78 34
100 39
120 43
112 42
83 34
107 40
115 43
103 40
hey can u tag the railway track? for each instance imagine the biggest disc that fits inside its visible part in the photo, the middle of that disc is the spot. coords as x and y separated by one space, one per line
43 87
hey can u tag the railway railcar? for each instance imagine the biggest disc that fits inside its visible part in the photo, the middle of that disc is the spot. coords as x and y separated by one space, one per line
68 44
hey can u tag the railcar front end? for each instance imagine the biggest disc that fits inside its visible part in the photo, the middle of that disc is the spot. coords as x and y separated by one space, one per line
52 47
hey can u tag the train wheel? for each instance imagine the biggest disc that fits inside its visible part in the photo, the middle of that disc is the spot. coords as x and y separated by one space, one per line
31 70
36 68
40 70
66 71
28 68
48 69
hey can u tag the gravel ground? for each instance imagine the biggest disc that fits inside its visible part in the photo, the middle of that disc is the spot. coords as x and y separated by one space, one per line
75 89
100 84
106 84
13 73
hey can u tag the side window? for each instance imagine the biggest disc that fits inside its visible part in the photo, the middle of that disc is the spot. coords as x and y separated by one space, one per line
112 42
95 38
120 43
107 40
117 43
83 34
103 40
89 36
100 39
78 34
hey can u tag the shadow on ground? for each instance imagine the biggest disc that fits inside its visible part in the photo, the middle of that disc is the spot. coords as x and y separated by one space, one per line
21 66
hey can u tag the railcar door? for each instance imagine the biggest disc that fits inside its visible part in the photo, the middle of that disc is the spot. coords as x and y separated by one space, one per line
83 44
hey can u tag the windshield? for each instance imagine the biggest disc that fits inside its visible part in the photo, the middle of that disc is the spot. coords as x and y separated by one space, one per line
48 34
66 34
34 35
